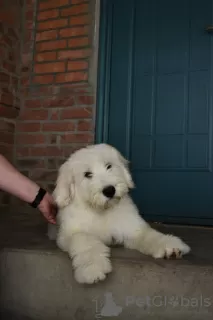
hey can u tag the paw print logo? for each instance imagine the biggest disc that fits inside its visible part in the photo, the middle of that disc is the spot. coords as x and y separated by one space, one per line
110 308
173 301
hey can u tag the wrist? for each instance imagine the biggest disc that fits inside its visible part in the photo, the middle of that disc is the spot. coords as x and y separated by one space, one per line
38 198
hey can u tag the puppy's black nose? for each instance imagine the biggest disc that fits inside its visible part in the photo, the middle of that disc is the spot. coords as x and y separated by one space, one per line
109 191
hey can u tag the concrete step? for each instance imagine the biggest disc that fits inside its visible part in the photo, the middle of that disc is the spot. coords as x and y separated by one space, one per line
37 282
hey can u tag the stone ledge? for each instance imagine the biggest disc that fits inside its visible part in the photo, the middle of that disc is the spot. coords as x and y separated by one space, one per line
37 279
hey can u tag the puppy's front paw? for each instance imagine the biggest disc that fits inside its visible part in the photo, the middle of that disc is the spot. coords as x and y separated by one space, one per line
169 246
94 272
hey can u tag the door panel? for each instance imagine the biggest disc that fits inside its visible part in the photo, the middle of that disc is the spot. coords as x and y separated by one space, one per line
158 103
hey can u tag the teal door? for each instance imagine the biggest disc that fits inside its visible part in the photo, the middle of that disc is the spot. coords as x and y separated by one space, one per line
155 102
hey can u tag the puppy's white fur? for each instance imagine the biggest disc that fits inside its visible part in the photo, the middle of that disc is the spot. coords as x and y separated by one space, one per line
88 220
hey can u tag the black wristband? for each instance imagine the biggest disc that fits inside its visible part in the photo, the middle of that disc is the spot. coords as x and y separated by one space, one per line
40 195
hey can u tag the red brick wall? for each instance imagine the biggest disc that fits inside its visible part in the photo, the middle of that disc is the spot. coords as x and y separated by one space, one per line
10 28
57 109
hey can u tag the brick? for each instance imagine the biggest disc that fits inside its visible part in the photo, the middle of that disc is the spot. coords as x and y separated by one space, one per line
6 90
45 79
52 163
68 150
56 102
88 100
42 91
14 80
28 127
78 1
7 99
6 40
8 112
74 32
46 35
6 150
29 25
76 138
52 24
84 125
80 20
34 115
58 126
6 126
78 42
11 56
50 14
32 103
27 138
74 10
77 65
29 14
13 32
41 174
51 67
4 77
26 59
52 4
29 3
73 54
46 151
3 52
17 103
25 82
22 152
7 137
54 114
45 56
76 113
9 67
28 36
53 139
51 45
30 163
71 77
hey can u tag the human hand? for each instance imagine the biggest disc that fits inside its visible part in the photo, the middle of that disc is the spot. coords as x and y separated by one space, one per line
48 208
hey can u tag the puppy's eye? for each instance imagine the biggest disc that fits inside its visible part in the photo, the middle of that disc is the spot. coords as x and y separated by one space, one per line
88 174
108 166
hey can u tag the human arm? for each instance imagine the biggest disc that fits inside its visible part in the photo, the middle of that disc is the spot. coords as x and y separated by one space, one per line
15 183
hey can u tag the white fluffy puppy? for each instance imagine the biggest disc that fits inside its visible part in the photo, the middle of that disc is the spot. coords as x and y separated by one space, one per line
95 207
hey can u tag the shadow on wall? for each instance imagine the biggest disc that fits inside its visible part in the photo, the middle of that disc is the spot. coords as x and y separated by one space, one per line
10 67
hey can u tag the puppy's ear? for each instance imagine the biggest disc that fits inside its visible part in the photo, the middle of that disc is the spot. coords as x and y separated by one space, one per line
127 175
64 190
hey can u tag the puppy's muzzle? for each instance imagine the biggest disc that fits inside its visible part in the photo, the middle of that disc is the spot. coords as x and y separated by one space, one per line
109 192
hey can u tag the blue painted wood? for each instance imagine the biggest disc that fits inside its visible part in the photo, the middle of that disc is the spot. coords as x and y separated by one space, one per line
155 102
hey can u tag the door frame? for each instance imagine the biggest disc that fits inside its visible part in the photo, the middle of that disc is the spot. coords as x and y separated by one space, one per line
103 72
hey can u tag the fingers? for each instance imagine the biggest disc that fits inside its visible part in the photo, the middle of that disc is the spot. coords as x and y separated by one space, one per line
52 215
49 213
51 220
48 208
